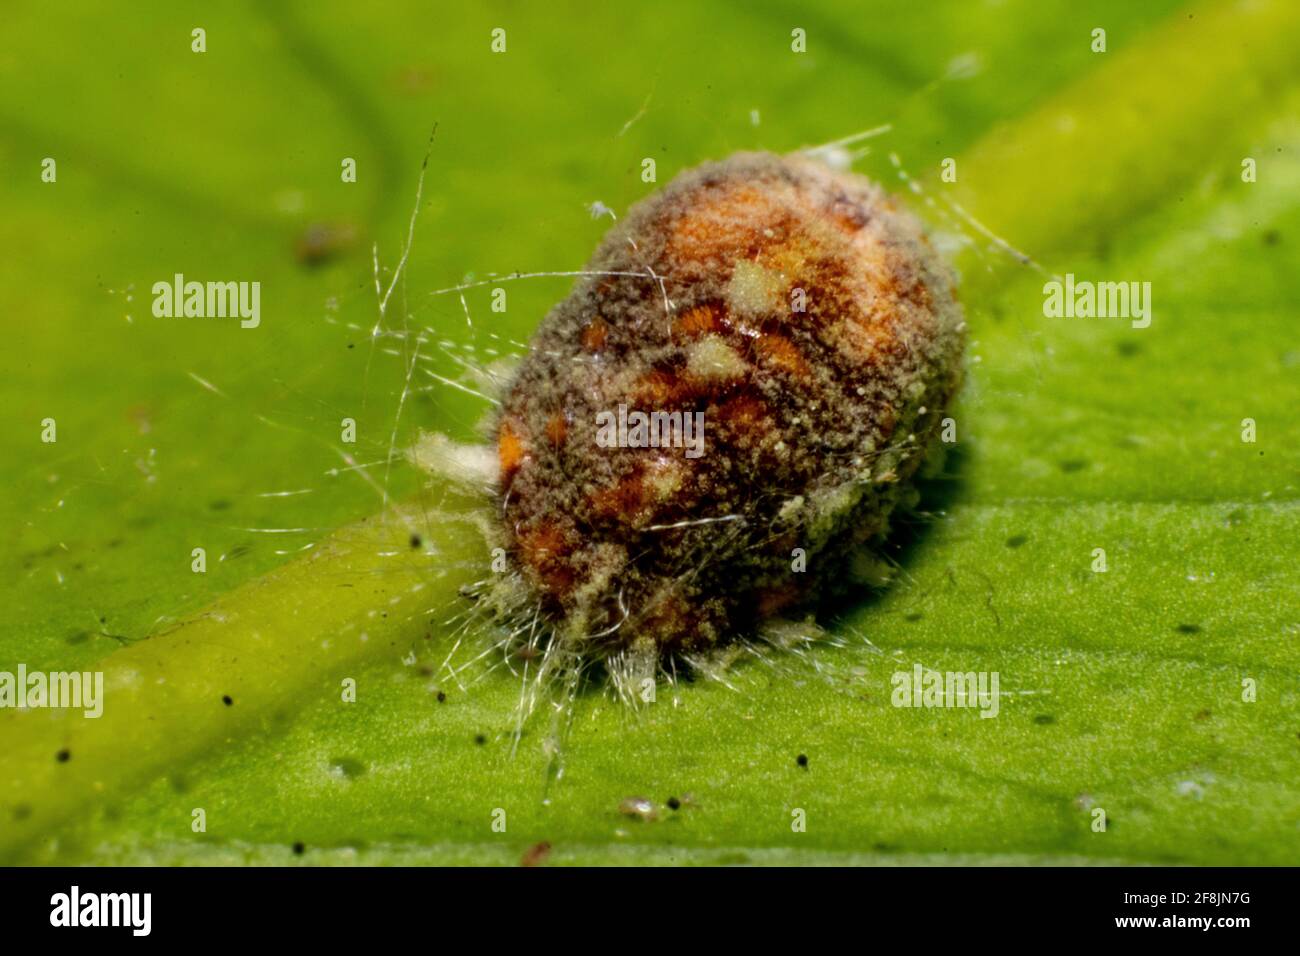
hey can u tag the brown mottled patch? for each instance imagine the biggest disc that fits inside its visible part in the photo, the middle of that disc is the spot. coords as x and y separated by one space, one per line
595 334
624 499
543 548
849 216
661 388
556 428
676 624
772 600
745 412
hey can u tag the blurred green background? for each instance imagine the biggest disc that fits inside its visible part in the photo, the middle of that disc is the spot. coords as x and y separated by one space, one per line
1125 686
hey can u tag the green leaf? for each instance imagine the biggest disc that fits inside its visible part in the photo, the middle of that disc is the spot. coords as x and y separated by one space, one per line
1121 691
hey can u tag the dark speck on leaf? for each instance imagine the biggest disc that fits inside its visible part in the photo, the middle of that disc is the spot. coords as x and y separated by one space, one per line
1017 540
349 767
1127 349
63 756
299 849
802 760
480 739
415 541
639 808
442 697
913 616
536 854
227 700
1073 464
1188 629
674 803
321 242
1044 719
1271 237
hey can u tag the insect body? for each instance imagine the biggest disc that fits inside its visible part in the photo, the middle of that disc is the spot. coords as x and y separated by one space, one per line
726 410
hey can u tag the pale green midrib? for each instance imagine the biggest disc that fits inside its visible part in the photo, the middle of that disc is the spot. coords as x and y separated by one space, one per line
270 644
1221 64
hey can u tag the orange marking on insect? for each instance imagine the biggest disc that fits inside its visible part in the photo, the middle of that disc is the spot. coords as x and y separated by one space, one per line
661 388
721 220
624 499
700 320
743 411
542 548
510 451
556 428
782 353
595 334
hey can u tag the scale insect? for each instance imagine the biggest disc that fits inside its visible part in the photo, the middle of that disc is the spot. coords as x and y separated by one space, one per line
709 435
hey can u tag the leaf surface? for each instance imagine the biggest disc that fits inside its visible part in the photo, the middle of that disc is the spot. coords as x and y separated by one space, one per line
1121 691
